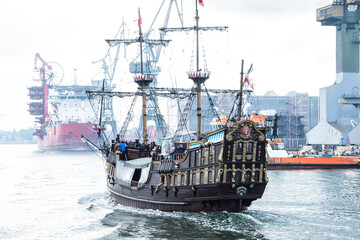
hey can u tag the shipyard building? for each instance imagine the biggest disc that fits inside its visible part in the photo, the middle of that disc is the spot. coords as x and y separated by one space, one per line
299 113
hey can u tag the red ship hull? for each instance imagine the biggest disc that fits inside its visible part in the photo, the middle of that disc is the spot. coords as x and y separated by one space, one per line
67 136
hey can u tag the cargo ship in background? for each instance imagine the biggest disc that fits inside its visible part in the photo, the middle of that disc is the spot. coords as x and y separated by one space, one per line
63 113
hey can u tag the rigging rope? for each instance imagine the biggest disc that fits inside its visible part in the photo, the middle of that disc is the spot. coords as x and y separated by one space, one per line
128 118
212 104
185 113
159 117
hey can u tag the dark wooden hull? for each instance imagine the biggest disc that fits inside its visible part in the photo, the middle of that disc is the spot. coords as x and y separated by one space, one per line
229 202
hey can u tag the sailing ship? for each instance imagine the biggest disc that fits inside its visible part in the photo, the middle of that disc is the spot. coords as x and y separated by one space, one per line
222 170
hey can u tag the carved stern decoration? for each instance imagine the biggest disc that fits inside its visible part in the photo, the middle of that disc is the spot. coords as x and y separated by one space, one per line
244 159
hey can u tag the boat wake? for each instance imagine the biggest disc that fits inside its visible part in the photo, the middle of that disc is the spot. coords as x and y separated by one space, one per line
131 222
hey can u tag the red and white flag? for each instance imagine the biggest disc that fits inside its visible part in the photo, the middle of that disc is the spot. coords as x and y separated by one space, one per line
247 78
139 20
201 2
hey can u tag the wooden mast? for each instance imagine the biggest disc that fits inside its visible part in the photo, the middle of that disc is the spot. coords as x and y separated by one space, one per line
199 76
101 110
143 95
198 83
241 89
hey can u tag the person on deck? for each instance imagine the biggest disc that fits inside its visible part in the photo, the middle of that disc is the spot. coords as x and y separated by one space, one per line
180 149
123 148
152 145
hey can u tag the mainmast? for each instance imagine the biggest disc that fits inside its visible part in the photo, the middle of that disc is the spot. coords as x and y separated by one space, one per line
143 79
199 76
198 79
197 35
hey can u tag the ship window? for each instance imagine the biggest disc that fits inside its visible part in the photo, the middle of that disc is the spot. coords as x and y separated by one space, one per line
192 157
202 178
238 177
249 147
239 148
183 180
228 177
202 159
211 150
257 176
194 179
211 177
211 154
168 180
215 152
175 180
196 157
247 176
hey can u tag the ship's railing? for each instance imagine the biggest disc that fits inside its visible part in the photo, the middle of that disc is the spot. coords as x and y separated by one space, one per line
198 74
165 165
158 157
145 153
140 77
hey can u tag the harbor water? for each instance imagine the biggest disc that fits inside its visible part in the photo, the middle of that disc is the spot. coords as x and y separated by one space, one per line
63 195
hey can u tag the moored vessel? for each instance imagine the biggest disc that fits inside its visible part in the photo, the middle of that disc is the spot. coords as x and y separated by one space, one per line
63 113
309 158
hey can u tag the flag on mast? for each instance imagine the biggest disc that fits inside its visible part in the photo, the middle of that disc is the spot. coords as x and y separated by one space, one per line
247 78
139 20
201 2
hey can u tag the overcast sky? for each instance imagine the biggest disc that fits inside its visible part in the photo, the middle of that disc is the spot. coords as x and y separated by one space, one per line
288 48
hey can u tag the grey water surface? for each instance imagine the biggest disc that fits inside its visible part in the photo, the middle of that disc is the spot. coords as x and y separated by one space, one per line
63 195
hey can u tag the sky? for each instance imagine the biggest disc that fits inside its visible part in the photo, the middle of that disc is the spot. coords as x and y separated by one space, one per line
289 50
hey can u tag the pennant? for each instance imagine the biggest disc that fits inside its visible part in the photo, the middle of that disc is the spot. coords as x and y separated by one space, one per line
201 2
139 20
